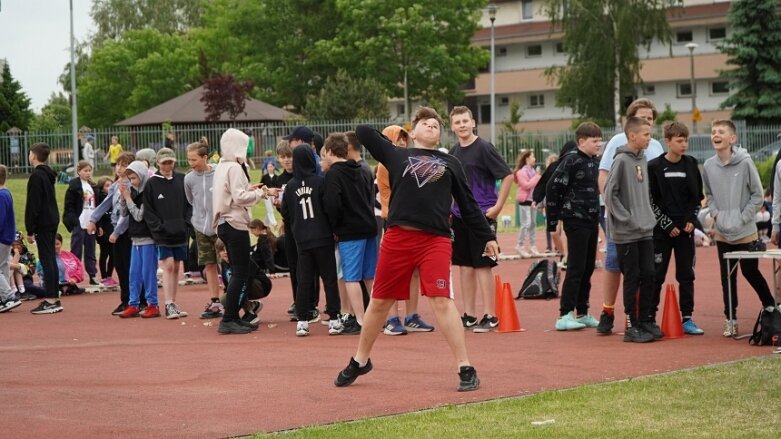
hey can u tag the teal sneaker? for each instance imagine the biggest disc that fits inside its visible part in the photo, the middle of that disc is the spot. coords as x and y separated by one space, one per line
588 320
691 328
568 322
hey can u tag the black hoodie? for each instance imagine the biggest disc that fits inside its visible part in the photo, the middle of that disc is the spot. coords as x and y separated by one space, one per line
166 210
74 203
349 201
41 213
302 203
539 191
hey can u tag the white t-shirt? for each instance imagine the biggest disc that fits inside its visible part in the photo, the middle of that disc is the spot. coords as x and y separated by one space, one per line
653 151
88 204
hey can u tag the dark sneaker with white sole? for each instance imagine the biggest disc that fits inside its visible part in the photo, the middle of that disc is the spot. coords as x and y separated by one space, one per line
47 308
487 324
468 321
349 374
469 379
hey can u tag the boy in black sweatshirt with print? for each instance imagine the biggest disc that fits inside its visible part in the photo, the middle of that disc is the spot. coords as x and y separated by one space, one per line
676 193
572 196
41 218
302 209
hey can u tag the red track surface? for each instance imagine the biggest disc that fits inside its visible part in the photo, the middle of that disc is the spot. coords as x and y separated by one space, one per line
85 373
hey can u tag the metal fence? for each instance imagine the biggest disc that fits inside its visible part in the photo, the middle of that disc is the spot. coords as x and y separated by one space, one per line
761 141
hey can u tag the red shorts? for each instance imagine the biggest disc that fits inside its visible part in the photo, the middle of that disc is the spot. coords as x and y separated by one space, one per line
401 251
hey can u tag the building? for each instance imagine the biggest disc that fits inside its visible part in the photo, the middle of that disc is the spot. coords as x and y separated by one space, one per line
525 47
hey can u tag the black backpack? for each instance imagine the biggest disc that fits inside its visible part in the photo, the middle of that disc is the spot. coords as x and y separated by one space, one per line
767 329
542 282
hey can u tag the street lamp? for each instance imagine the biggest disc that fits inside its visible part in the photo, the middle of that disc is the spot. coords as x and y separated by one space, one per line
695 111
74 114
492 16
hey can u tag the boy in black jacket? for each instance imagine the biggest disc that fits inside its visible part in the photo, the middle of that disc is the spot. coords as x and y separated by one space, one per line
168 214
572 196
424 182
302 209
349 204
676 193
41 218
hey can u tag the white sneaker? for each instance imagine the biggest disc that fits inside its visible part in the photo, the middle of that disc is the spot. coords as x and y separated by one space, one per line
302 329
335 327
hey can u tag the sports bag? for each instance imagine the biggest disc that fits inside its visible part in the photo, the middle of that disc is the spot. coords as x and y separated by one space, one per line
542 281
767 329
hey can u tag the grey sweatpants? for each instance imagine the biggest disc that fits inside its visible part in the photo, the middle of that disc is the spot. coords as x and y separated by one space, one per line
5 273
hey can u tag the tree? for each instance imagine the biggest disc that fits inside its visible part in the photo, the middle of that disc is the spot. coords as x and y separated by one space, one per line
140 71
14 103
271 43
224 94
54 116
754 48
345 98
668 115
115 17
601 39
424 47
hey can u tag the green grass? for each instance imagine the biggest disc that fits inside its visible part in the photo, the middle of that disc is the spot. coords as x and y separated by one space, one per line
735 400
18 188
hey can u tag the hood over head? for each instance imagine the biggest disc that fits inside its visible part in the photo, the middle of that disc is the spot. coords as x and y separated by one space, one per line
147 154
303 161
393 133
139 168
233 145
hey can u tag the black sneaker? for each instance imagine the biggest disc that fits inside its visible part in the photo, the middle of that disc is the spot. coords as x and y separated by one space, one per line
653 329
487 324
118 310
469 379
468 321
252 326
352 327
250 317
349 374
636 334
92 281
233 328
605 326
292 309
47 308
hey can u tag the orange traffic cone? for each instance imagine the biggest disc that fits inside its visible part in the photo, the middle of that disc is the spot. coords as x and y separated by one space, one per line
671 319
507 313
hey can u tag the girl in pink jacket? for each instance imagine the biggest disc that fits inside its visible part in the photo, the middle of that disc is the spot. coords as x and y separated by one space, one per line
526 177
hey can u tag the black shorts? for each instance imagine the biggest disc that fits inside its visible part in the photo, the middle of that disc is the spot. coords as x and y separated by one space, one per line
467 249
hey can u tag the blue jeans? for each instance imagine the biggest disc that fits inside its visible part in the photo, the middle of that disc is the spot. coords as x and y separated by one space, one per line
143 274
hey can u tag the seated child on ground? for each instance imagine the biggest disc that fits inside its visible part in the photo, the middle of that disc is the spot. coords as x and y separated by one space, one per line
70 268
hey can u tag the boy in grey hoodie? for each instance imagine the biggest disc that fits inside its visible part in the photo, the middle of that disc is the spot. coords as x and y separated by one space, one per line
734 194
198 190
631 226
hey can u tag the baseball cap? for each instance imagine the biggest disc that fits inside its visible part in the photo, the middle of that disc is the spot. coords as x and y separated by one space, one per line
301 133
165 155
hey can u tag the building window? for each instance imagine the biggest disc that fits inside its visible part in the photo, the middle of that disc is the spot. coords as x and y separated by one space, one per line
485 114
527 9
684 36
400 109
504 101
559 47
534 50
501 51
717 33
719 87
684 89
536 101
649 89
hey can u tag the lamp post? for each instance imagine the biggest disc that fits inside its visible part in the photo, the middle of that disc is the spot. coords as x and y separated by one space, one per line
74 115
492 16
695 111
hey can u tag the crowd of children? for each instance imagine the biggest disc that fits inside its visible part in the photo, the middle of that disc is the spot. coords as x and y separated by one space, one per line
143 218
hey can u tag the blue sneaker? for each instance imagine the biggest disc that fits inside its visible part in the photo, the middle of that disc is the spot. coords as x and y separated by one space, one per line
414 323
691 328
393 327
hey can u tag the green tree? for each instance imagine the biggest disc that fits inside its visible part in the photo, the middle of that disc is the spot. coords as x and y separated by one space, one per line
601 39
14 103
115 17
54 116
754 48
405 42
345 98
140 71
668 115
271 43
